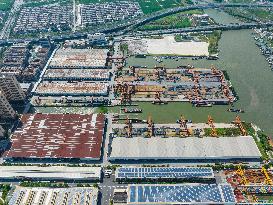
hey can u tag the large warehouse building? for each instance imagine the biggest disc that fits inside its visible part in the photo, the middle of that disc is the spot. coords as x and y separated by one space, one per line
191 148
180 194
55 196
58 136
50 173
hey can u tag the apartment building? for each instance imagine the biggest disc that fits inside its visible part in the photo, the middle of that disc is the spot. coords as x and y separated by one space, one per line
6 111
11 88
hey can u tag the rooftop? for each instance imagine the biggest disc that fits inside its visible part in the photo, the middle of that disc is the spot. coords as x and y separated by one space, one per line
181 194
50 172
55 196
79 58
163 172
58 136
184 148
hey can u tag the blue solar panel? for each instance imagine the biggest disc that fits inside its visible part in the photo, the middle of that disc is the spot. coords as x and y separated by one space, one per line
210 193
164 172
228 193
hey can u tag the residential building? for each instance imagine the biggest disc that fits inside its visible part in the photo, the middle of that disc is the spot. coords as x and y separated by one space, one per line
6 111
11 88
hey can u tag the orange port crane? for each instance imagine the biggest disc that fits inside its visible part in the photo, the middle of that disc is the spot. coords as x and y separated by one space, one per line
158 96
211 124
150 127
126 93
129 127
268 180
239 123
183 126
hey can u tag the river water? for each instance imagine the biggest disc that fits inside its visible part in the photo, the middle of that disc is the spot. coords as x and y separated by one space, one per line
249 73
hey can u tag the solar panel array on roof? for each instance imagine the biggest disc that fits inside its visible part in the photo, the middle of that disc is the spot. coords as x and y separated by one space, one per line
181 194
164 172
58 136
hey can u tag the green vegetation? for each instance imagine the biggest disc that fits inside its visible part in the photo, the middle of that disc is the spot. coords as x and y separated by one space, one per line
95 185
113 167
178 38
235 1
43 184
5 5
257 14
269 198
147 6
224 132
102 109
124 48
5 188
180 20
261 140
213 40
34 3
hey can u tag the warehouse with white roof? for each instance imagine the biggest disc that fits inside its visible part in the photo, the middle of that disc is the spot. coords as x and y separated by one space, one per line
192 148
49 173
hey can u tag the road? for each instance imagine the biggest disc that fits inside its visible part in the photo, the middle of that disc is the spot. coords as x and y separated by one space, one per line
205 28
8 25
132 24
107 189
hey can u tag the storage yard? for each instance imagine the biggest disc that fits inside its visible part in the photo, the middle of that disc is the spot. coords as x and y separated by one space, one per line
250 185
58 136
55 196
199 86
77 74
167 46
72 89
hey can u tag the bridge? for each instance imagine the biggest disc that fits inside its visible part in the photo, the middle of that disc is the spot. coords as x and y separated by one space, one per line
206 28
157 15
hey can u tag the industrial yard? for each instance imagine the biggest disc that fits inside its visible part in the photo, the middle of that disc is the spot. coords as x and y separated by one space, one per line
106 102
166 46
185 84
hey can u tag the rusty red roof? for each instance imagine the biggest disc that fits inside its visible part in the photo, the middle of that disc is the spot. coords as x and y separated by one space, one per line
58 136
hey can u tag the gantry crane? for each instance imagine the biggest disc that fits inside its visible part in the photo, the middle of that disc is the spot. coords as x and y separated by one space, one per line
150 127
211 124
239 123
183 126
126 93
158 97
129 127
268 180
